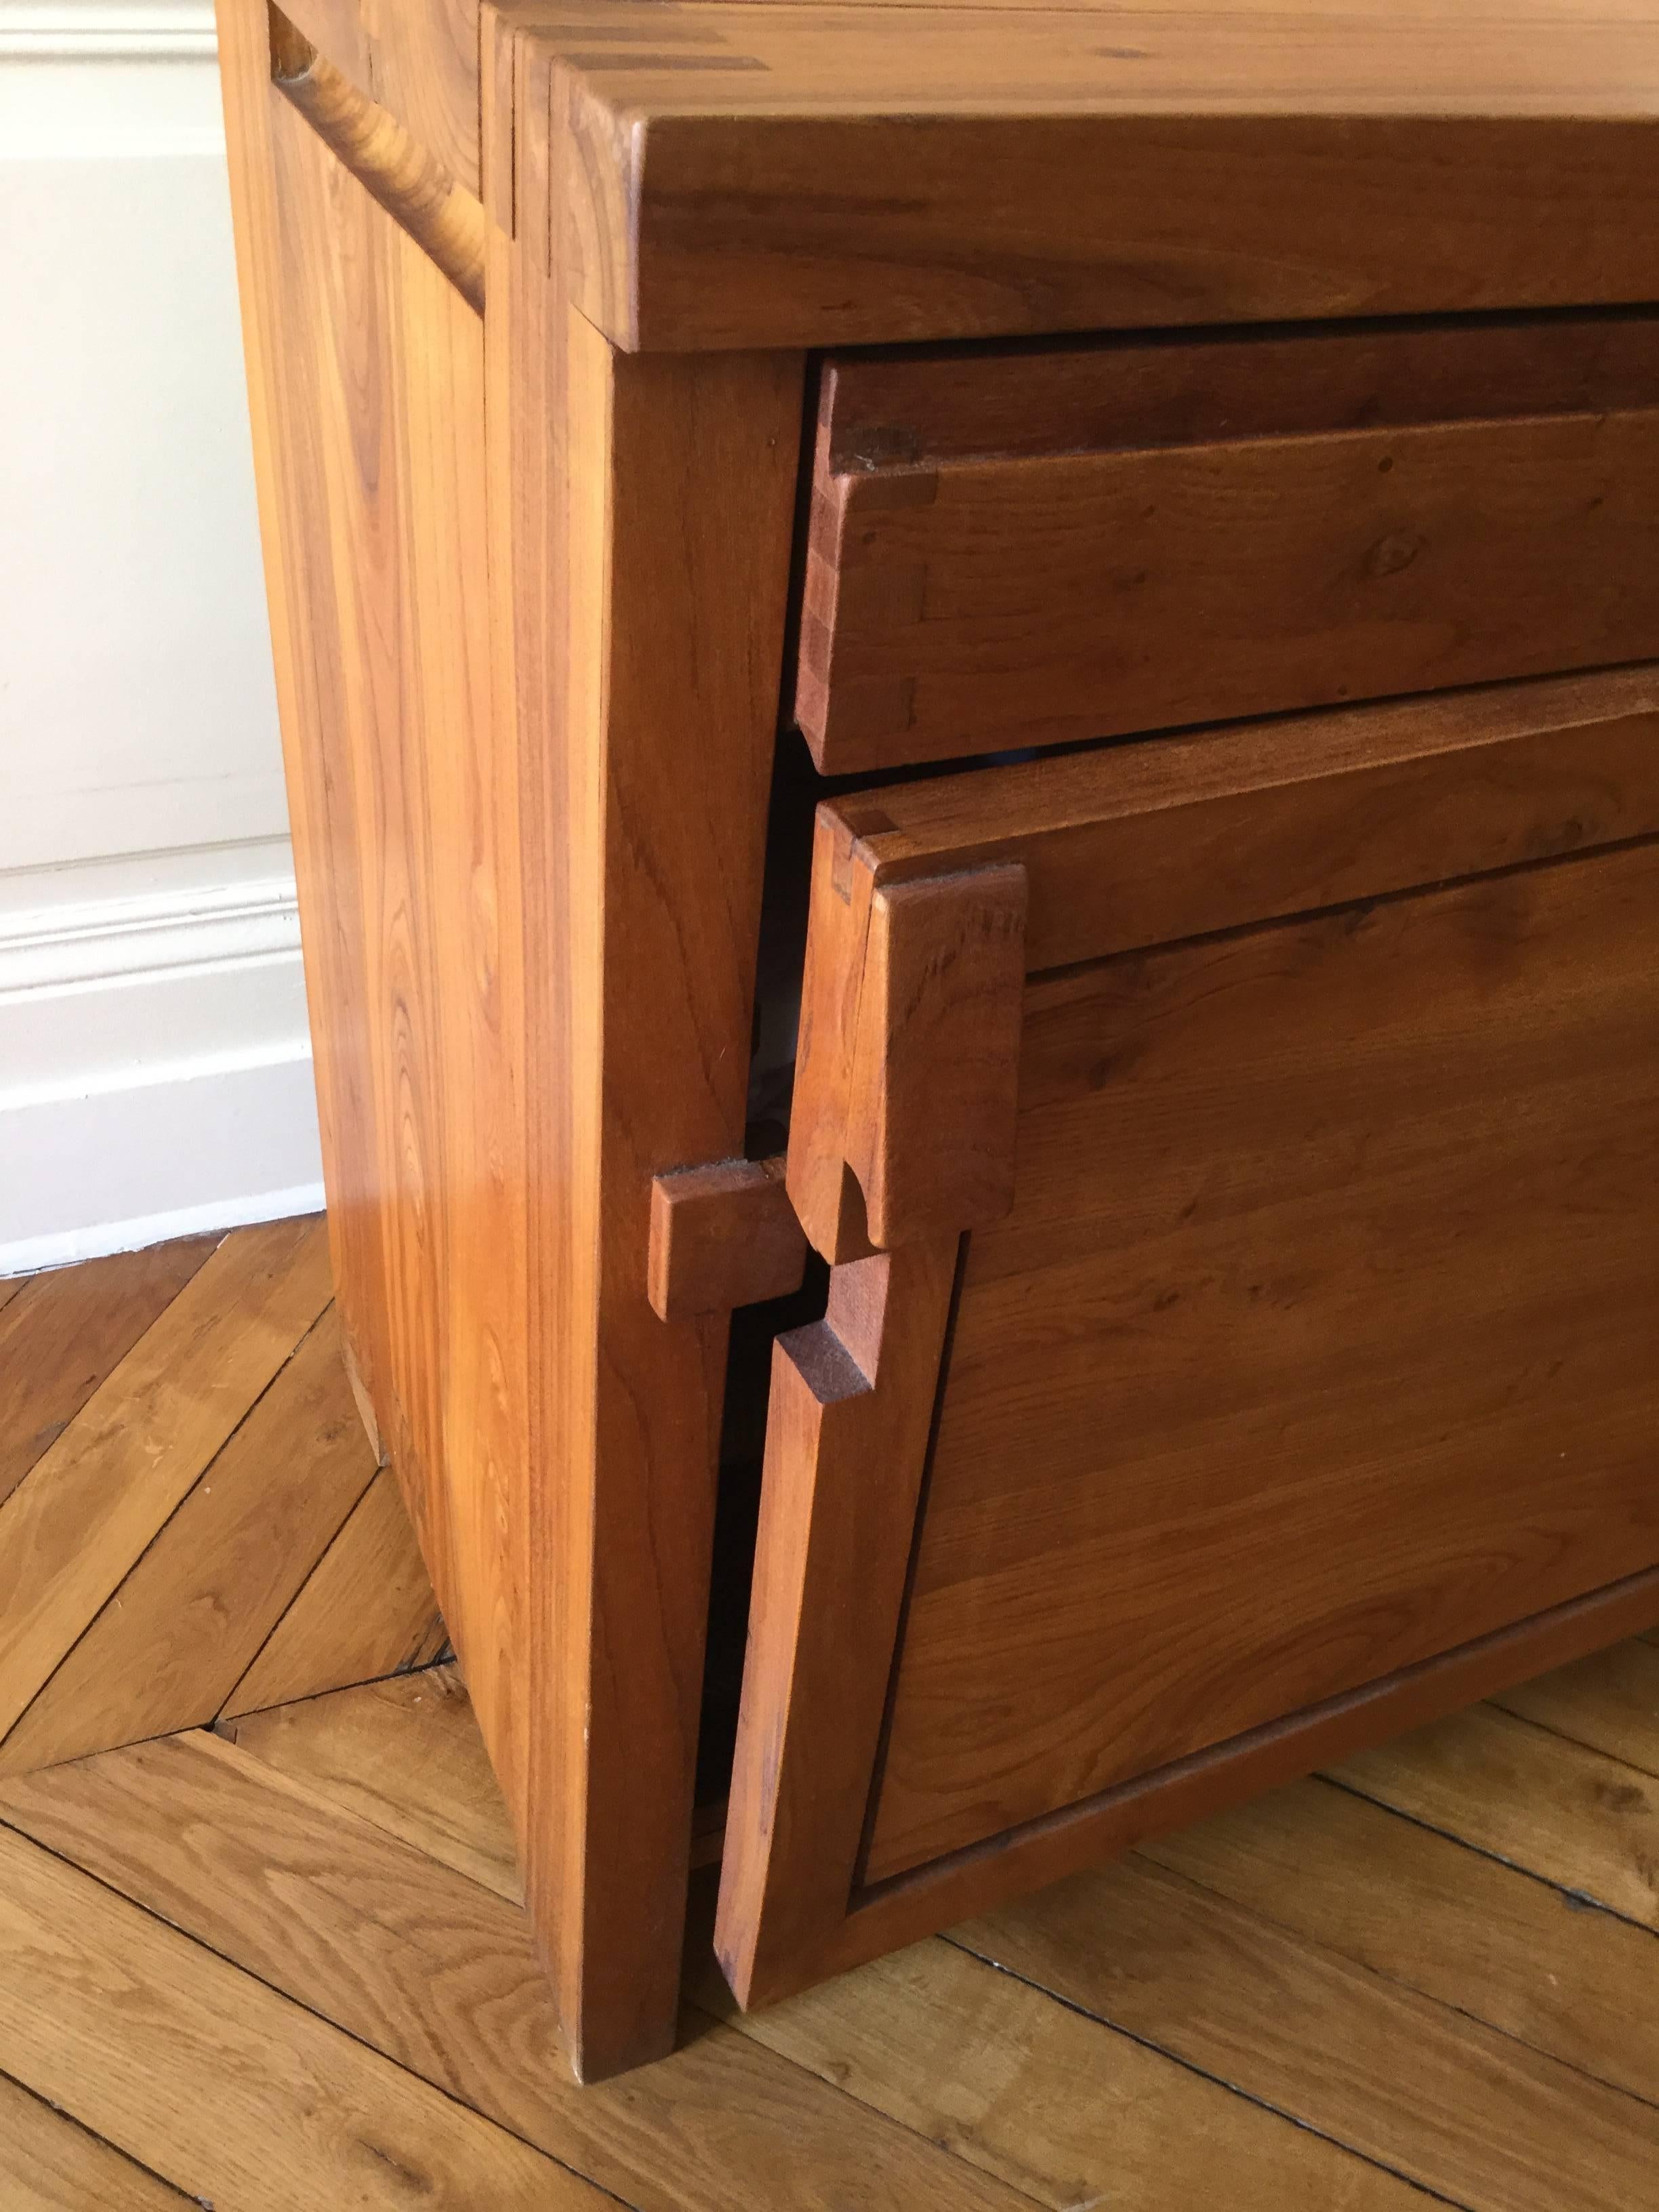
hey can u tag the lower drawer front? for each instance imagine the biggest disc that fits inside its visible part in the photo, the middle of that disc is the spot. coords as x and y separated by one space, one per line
1254 1133
1322 1337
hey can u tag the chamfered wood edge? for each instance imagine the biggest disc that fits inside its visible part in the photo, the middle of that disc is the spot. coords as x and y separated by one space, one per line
985 1874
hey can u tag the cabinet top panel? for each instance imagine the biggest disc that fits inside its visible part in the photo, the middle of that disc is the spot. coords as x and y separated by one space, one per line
774 174
760 173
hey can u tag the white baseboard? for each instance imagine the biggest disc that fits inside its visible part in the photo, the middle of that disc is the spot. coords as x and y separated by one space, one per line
106 30
155 1072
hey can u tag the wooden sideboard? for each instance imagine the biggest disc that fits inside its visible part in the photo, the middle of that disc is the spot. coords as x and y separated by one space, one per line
972 706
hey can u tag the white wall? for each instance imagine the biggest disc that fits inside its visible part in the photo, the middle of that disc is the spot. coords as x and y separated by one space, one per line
154 1069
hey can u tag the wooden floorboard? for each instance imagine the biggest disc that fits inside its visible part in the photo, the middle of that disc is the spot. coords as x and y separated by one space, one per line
1570 1815
280 1960
61 1334
437 1972
230 2091
405 1755
94 1500
1609 1701
174 1638
1459 2108
1424 1910
50 2163
366 1609
194 1515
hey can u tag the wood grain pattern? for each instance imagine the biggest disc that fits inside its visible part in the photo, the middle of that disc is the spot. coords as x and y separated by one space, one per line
845 1445
1358 2056
1609 1702
722 1236
442 217
50 2165
1390 1954
1426 1912
1059 1505
174 1639
366 1609
936 1071
121 2020
924 406
1275 818
815 175
74 1527
441 1976
1263 1178
822 1187
366 373
528 597
907 1067
987 603
529 835
62 1332
1055 2104
881 1918
403 1754
1571 1814
641 549
421 63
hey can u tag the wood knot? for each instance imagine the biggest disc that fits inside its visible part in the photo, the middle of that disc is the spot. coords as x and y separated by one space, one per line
1393 553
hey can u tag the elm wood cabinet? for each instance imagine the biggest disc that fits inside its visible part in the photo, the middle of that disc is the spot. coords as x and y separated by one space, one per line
1122 1262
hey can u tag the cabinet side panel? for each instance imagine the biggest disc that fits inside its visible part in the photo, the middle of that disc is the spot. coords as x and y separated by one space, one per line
366 371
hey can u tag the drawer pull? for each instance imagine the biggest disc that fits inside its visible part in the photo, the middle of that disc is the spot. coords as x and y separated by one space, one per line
907 1069
722 1236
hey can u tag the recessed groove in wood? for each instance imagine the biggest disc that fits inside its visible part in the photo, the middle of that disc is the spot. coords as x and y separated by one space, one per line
443 218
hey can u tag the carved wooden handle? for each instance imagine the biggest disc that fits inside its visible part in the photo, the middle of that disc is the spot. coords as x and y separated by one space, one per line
906 1072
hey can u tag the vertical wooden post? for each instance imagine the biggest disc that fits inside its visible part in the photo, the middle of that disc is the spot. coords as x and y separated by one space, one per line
642 510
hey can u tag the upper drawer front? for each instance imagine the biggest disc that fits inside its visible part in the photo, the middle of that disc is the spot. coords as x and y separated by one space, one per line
1023 547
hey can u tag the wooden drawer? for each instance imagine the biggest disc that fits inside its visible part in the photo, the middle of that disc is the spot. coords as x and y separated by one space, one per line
1256 1131
1025 547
